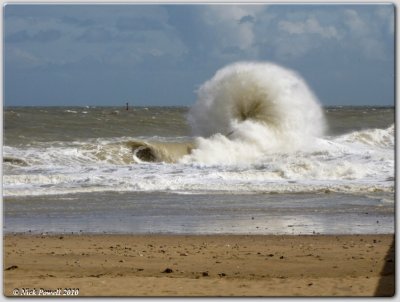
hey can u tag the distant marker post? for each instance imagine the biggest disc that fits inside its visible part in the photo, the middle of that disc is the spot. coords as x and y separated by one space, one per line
127 106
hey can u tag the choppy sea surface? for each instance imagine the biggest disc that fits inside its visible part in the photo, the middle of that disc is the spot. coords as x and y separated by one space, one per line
109 170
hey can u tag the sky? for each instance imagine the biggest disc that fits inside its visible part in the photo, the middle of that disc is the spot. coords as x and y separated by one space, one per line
159 55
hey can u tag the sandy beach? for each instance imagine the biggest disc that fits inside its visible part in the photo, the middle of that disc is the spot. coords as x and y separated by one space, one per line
201 265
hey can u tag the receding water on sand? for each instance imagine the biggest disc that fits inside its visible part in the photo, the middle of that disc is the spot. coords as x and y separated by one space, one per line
140 213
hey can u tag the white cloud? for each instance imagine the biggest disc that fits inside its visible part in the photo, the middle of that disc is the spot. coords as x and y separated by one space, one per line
354 22
296 38
386 14
363 31
232 25
309 26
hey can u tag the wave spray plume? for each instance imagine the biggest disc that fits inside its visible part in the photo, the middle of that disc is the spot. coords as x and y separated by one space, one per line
249 109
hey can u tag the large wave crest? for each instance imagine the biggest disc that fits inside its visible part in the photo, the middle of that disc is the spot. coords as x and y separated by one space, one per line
249 109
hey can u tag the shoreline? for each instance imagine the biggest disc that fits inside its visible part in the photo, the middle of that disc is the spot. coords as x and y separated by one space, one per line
262 214
200 265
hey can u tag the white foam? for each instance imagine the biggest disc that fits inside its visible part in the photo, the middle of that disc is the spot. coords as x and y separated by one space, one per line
250 109
332 164
338 164
371 137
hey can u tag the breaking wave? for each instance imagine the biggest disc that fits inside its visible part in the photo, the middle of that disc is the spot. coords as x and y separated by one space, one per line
97 152
250 109
258 127
159 151
361 161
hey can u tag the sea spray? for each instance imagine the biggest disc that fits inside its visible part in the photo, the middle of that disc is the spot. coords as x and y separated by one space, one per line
250 109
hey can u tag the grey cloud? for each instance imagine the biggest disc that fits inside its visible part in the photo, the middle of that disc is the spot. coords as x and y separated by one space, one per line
247 18
42 36
131 24
19 36
47 35
95 35
77 22
101 35
105 42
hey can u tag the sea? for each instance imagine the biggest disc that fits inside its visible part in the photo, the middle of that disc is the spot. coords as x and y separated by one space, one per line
73 170
246 158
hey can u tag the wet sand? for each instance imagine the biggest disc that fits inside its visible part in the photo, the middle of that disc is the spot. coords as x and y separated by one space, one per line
200 265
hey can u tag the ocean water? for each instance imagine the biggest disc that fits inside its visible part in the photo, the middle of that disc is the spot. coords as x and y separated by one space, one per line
256 153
